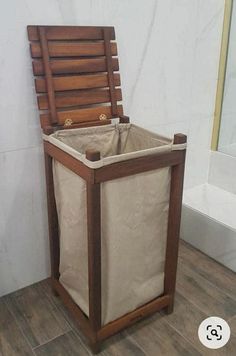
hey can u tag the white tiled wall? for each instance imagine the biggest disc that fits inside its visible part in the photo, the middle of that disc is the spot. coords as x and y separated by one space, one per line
169 54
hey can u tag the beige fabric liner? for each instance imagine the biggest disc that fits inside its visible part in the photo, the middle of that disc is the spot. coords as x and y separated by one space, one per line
134 219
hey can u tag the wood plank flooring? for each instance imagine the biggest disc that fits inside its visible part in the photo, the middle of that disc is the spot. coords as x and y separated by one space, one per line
34 322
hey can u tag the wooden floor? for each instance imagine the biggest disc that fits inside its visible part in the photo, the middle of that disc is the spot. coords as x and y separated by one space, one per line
34 322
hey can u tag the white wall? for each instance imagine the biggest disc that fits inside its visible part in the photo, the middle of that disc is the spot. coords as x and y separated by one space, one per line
169 53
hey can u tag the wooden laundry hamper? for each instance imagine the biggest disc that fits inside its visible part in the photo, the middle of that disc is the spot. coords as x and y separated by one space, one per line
76 71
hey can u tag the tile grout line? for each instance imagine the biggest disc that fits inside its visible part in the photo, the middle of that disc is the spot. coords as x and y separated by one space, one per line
18 325
53 338
49 297
21 149
135 341
71 328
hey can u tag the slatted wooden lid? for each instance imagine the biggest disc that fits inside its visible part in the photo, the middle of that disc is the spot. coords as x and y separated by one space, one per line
77 77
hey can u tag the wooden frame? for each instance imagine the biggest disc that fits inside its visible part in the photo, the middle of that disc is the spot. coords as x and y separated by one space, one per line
91 326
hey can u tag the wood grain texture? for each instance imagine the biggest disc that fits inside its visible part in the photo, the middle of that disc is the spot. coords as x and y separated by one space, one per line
210 300
80 115
154 336
37 317
53 229
187 318
62 53
76 82
222 277
80 97
48 75
111 79
132 317
174 217
122 345
12 341
137 165
73 66
70 32
72 49
67 344
68 161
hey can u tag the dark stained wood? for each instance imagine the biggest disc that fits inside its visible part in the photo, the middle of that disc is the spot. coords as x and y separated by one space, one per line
175 206
72 49
71 81
48 75
87 124
94 250
68 161
80 97
70 32
137 165
52 218
76 82
80 115
92 155
64 42
130 318
111 78
73 66
124 119
48 130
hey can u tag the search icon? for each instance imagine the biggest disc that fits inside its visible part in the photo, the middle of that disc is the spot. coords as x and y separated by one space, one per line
214 332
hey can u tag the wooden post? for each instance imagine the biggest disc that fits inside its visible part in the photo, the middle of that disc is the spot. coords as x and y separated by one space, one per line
52 219
175 206
94 253
124 119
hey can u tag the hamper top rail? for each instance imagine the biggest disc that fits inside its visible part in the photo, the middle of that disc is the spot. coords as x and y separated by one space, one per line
76 72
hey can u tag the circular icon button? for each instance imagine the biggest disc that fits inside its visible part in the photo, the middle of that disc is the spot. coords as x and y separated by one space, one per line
214 332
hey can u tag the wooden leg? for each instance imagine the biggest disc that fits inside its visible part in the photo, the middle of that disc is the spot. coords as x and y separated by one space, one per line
52 219
94 249
170 308
95 347
175 207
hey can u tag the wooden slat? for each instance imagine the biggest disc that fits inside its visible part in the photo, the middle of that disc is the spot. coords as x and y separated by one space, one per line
138 165
88 124
69 162
72 49
74 82
81 115
70 32
62 66
131 318
80 97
